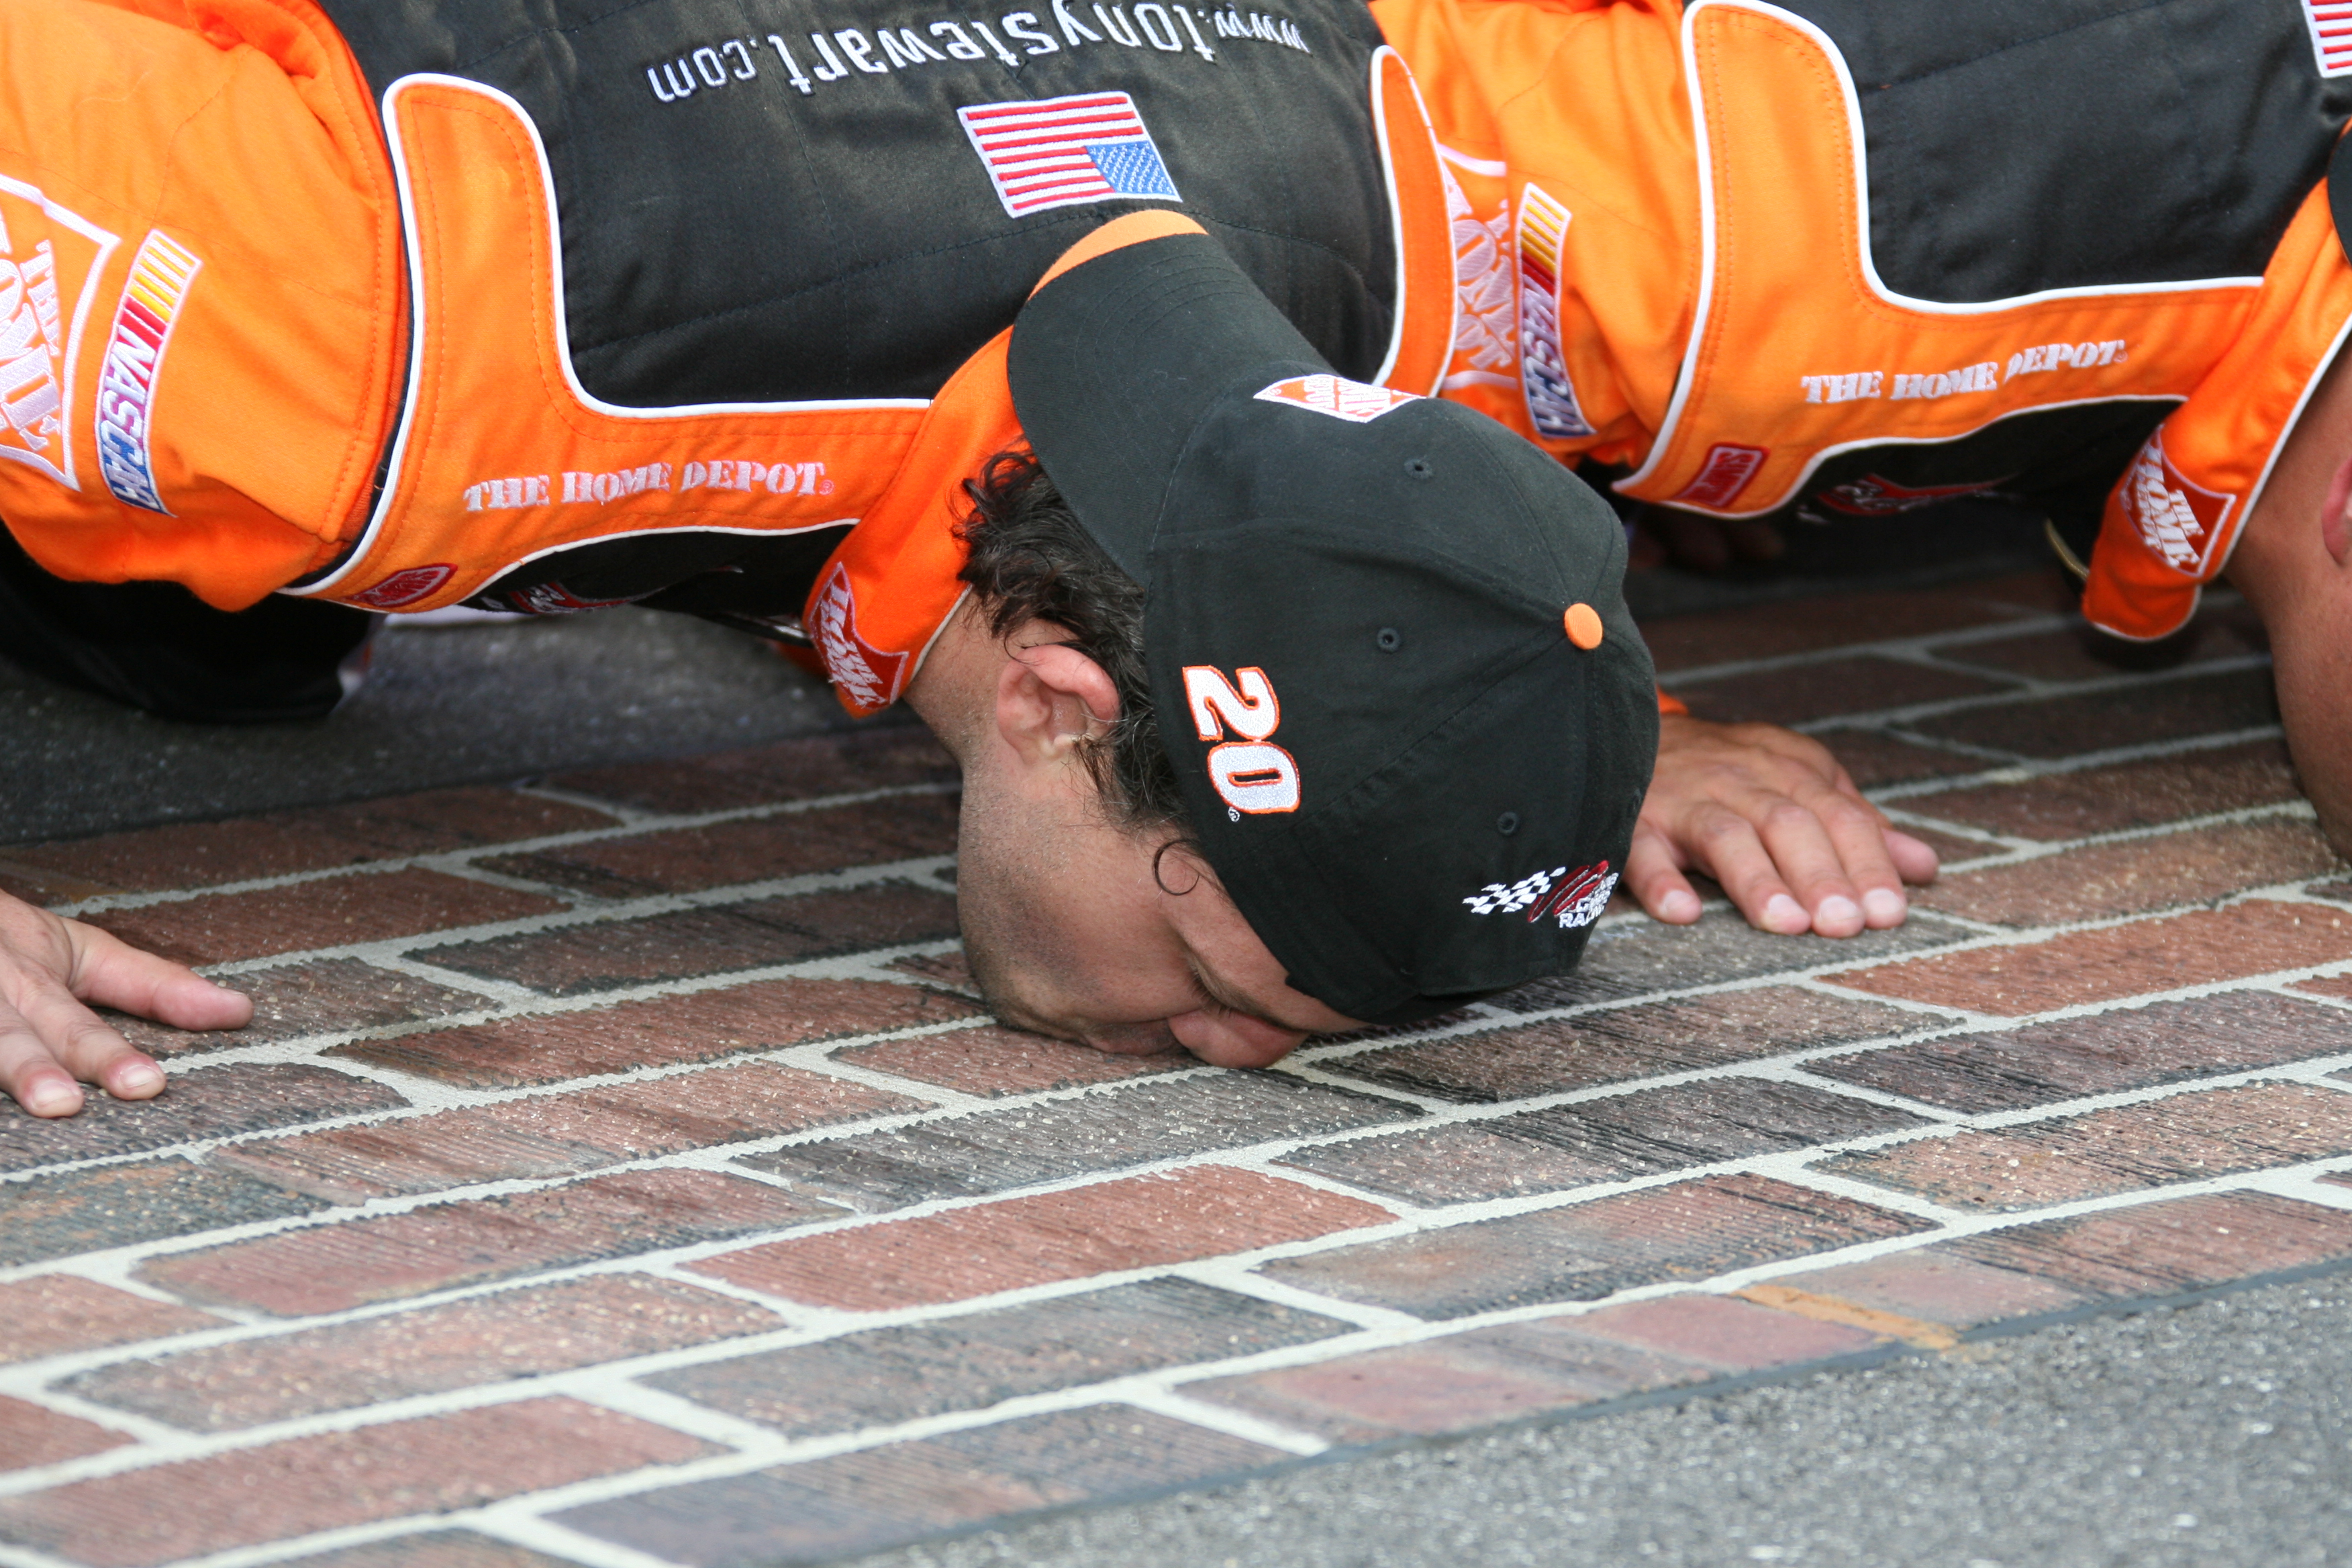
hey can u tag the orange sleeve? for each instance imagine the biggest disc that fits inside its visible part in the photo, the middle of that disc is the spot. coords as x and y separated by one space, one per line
1672 704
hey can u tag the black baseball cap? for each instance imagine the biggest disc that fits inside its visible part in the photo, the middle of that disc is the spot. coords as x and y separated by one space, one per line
1387 639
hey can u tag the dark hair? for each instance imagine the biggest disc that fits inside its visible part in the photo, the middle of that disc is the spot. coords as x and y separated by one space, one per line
1032 559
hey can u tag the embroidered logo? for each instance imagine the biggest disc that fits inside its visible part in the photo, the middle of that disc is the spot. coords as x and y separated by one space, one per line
1062 151
555 599
403 587
1483 330
50 261
144 320
1723 476
1543 373
1573 897
2178 520
2331 34
1871 496
1251 775
1338 396
868 676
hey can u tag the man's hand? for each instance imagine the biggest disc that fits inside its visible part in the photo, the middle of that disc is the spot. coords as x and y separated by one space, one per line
1770 814
48 968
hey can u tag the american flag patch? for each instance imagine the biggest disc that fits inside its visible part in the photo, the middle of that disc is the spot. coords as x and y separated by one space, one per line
2331 34
1060 152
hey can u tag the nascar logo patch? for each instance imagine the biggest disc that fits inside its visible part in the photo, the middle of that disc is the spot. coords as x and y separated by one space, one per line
1338 396
151 297
1062 151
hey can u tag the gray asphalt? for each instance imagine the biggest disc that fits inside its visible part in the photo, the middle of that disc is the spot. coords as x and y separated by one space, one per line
2219 1434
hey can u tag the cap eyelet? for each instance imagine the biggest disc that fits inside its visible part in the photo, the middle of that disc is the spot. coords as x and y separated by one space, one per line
1388 640
1508 824
1419 468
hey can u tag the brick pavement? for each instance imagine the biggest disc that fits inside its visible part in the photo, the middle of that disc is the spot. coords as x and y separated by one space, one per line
620 1170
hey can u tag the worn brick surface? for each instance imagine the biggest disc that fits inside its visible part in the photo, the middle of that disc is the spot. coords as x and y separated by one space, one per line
1584 1251
55 1314
481 1339
196 855
432 1549
560 1134
1930 1285
250 1496
1798 693
1811 625
667 1031
2136 876
115 1205
1598 1139
2137 1047
883 757
991 1061
1874 760
690 944
2229 630
888 1376
2185 1137
2161 1248
2144 794
218 928
1627 1042
1475 1379
2248 939
327 1268
323 996
996 1151
686 860
1639 957
948 969
210 1102
2125 716
1130 1224
856 1503
35 1435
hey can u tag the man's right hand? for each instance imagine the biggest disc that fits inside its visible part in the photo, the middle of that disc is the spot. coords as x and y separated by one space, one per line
49 967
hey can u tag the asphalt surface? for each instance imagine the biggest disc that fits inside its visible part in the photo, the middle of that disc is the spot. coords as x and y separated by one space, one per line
2213 1434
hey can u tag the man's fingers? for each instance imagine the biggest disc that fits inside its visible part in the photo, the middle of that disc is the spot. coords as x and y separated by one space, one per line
1916 862
1654 874
80 1042
113 974
1812 862
29 1072
1728 848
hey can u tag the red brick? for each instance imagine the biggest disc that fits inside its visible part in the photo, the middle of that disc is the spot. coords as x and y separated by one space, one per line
1929 1285
33 1434
334 1479
1951 848
1136 1222
432 1549
853 1504
688 859
1626 1042
2340 985
104 1207
221 928
2136 876
692 943
991 1062
560 1134
2150 956
2185 1137
1598 1139
947 970
1475 1379
885 757
200 854
211 1102
56 1314
324 995
327 1268
883 1377
471 1343
2164 1248
1627 962
1873 759
2127 716
2133 1047
2079 653
664 1031
2145 794
1582 1252
1797 693
1810 626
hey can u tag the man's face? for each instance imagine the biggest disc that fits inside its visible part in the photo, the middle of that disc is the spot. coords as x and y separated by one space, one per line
1080 929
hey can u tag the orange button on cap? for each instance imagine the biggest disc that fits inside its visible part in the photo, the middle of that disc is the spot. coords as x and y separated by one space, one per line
1583 624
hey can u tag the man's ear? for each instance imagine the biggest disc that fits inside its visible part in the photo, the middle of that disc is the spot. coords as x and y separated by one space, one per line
1050 697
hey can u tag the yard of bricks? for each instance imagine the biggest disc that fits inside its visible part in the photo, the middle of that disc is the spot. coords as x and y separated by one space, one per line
620 1170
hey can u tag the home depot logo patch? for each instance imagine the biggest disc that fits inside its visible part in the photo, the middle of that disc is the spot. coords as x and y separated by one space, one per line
2178 521
868 676
50 259
1338 396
